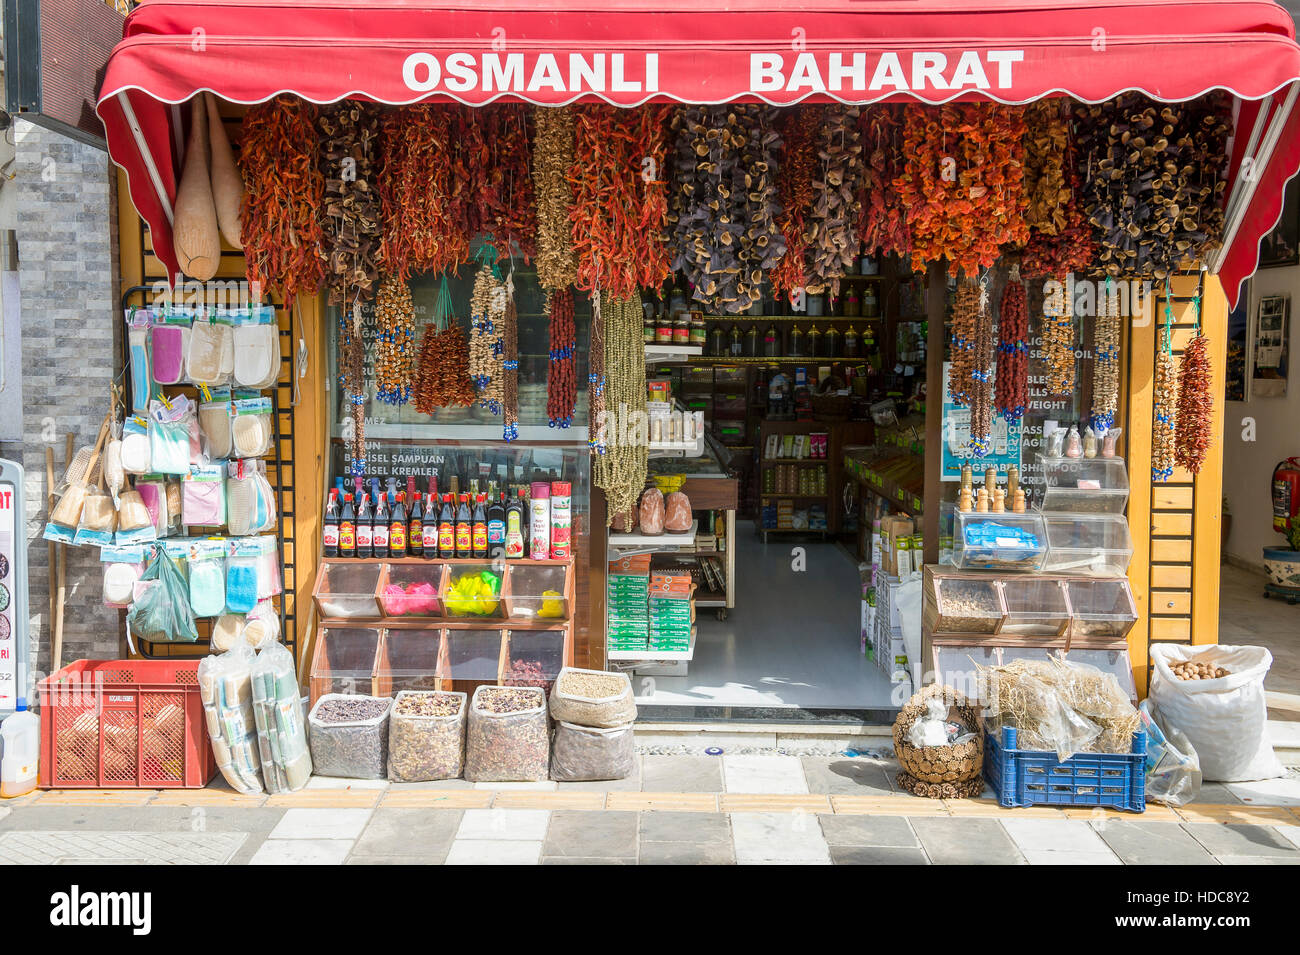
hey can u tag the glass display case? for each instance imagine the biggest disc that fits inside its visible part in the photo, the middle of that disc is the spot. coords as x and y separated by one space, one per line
408 660
1007 542
411 590
1084 485
1087 545
473 656
957 665
538 592
968 605
344 661
346 589
1036 607
473 591
1102 608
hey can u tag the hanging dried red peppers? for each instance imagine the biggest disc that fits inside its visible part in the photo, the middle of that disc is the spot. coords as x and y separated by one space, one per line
561 379
619 198
1012 378
557 267
510 213
962 182
284 193
1195 402
414 182
799 126
882 223
965 328
442 373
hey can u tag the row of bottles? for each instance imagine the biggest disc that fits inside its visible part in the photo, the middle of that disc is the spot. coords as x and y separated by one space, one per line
393 523
749 342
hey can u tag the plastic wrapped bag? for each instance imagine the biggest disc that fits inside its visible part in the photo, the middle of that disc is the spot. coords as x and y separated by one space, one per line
1173 771
1019 698
593 698
281 730
508 739
581 753
161 613
349 736
225 686
1226 719
426 736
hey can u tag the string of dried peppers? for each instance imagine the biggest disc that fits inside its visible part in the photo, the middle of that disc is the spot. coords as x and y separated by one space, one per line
561 380
619 200
557 266
1012 377
442 373
284 192
798 126
621 470
962 182
1165 399
1195 401
510 213
965 328
510 364
415 191
882 223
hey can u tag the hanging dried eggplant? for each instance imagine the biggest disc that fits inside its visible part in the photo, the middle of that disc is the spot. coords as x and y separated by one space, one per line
1195 422
882 223
227 185
196 235
280 219
557 266
962 182
1154 180
799 126
1012 377
833 225
723 206
349 152
619 200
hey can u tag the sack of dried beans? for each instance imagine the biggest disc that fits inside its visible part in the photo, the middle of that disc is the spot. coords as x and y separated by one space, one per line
584 753
426 736
509 735
349 736
593 698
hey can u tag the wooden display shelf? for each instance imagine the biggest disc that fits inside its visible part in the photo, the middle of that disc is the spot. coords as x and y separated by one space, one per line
803 462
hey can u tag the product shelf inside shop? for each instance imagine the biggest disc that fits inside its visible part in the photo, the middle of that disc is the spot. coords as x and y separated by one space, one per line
383 661
684 539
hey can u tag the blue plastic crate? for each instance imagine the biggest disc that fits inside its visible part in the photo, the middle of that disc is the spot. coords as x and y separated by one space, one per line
1023 777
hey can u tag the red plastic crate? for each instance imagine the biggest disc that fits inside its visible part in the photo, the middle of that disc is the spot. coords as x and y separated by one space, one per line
124 724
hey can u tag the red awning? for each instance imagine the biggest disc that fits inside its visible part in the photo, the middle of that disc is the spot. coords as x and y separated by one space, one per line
627 53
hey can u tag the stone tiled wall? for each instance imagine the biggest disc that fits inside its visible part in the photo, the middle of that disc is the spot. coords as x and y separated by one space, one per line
67 253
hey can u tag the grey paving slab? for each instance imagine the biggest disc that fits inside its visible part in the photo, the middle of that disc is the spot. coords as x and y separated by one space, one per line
1216 794
435 784
965 841
144 818
891 831
681 774
877 855
686 853
609 835
355 859
697 828
631 784
425 835
1240 840
71 847
1153 843
1260 860
585 860
841 775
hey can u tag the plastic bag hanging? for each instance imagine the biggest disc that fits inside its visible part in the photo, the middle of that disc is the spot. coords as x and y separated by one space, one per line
161 613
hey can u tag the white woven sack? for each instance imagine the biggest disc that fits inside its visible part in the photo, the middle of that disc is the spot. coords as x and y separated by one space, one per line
1226 719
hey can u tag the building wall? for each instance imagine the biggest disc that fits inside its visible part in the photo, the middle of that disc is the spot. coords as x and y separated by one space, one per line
65 211
1276 437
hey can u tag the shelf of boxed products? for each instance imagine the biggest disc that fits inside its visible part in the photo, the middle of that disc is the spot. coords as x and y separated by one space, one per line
895 473
412 592
383 661
1041 610
650 614
635 539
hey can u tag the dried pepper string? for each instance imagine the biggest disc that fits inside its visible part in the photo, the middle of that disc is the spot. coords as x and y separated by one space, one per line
442 373
510 364
557 265
1012 376
965 322
507 198
280 222
1195 400
561 381
882 222
415 189
799 126
619 198
596 379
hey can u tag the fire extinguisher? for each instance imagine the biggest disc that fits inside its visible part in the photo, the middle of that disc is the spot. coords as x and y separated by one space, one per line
1286 494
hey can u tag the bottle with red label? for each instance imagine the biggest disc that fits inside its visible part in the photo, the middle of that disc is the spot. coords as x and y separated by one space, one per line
365 532
348 528
480 526
447 529
330 526
464 528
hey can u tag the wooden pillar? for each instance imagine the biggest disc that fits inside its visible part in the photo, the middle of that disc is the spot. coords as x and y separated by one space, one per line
935 299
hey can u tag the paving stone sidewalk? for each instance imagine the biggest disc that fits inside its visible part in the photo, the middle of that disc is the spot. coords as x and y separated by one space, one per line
741 809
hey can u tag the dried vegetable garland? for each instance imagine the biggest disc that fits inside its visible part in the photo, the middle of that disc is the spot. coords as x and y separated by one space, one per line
352 381
981 406
349 151
1012 378
882 223
442 373
510 364
415 187
596 380
724 203
1047 194
965 327
1074 246
394 341
962 182
621 470
1165 400
1105 358
283 196
486 352
1195 402
1058 336
1154 178
619 199
561 379
799 126
833 225
510 213
557 266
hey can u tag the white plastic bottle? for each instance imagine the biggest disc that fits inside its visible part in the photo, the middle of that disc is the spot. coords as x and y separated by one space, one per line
20 747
